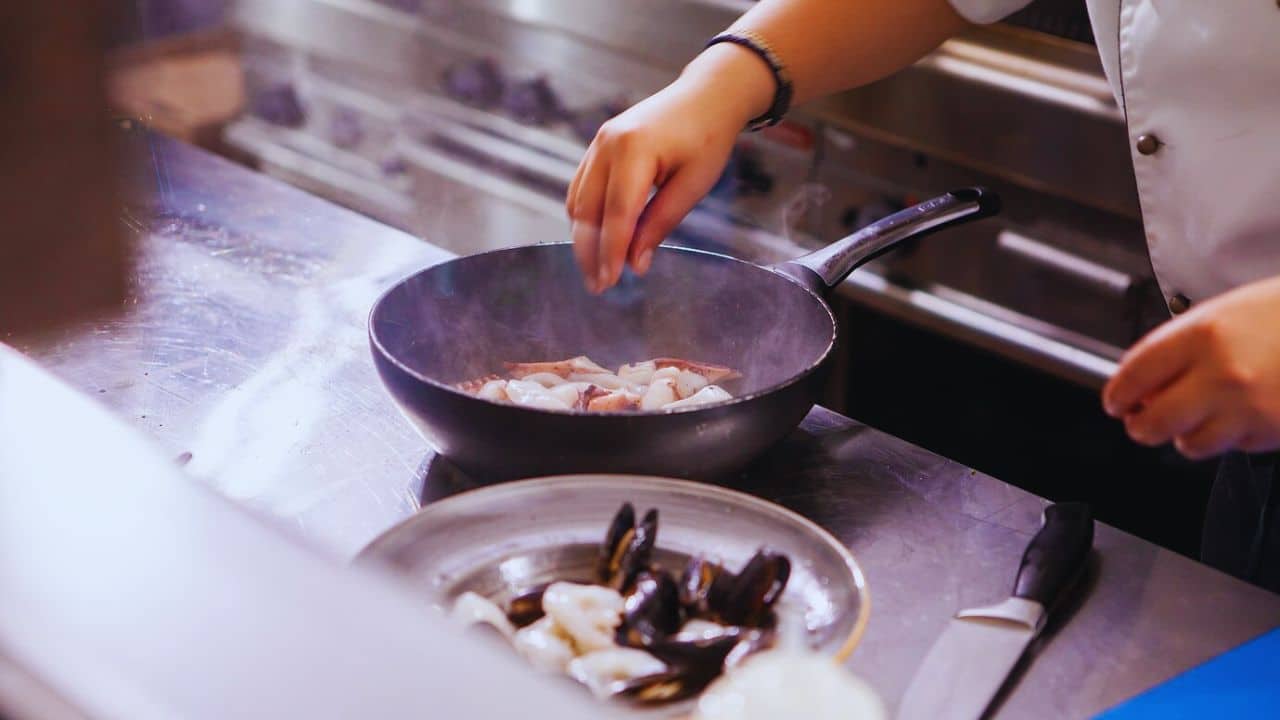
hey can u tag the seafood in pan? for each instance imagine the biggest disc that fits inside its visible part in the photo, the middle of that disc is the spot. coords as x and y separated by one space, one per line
580 384
638 631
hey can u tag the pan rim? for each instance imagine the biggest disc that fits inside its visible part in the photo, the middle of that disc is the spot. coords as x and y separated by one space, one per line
808 370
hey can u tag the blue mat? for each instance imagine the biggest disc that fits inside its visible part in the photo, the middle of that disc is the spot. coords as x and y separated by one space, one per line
1241 684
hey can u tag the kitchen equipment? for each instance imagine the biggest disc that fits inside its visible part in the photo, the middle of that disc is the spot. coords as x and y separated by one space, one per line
975 654
503 539
463 319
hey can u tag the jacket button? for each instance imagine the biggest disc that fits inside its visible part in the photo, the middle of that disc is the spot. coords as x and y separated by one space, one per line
1148 144
1179 304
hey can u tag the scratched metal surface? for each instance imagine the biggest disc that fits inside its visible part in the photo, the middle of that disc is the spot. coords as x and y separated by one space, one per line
244 345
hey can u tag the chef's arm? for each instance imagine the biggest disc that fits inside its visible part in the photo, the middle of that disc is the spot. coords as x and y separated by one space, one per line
680 138
833 45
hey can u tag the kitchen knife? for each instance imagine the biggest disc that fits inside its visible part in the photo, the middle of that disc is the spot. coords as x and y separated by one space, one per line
973 656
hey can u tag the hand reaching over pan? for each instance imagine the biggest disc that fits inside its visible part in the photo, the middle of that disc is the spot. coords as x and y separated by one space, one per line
678 141
1208 380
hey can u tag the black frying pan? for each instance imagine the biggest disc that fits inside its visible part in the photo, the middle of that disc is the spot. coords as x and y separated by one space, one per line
464 318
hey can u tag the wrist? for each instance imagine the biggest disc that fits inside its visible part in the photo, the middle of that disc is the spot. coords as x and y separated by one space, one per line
741 82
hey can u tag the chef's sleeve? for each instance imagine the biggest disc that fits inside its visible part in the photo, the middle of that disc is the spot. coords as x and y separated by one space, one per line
987 11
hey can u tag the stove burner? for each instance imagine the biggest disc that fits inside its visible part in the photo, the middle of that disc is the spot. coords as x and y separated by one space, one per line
533 102
279 105
477 83
743 175
586 123
345 129
393 166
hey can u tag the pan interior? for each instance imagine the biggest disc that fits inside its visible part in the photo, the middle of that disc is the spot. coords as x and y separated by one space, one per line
464 319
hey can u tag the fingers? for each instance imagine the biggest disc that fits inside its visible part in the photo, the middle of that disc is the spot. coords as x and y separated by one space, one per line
1216 436
604 202
629 184
1263 440
666 209
1156 361
1174 411
583 204
571 195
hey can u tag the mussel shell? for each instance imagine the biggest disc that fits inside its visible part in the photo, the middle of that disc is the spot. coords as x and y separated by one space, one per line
664 687
754 591
703 585
651 610
635 557
693 665
616 539
703 655
526 608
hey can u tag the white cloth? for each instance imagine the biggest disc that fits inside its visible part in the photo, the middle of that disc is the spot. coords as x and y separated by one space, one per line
1203 77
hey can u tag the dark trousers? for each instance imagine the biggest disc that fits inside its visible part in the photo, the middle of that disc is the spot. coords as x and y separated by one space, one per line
1242 526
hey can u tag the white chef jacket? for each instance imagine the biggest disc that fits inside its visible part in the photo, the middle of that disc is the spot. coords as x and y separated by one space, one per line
1200 79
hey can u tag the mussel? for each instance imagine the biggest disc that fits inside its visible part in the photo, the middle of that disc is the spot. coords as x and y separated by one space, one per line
526 608
704 585
621 529
750 598
639 632
627 548
702 655
691 667
651 610
667 686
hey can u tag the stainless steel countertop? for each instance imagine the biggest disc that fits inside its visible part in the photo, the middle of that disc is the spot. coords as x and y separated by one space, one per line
244 345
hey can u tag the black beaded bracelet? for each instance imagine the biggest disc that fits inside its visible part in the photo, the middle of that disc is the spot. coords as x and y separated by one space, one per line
781 81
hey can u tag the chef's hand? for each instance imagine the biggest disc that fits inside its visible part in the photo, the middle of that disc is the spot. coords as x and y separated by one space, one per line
1209 380
677 140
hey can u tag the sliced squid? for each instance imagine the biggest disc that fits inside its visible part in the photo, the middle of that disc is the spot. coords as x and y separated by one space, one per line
603 669
580 383
616 401
707 395
545 379
661 393
495 390
545 644
604 380
666 372
564 368
713 373
688 383
531 394
473 386
640 373
588 614
570 394
471 608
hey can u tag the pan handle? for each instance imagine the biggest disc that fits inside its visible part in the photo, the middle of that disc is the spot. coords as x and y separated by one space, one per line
823 269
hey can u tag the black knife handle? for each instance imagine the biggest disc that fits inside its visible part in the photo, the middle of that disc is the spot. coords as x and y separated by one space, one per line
1056 554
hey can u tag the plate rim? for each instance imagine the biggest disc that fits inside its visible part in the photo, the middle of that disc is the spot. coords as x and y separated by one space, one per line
370 550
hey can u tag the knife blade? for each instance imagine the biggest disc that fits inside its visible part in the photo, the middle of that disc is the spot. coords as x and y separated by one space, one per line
970 661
